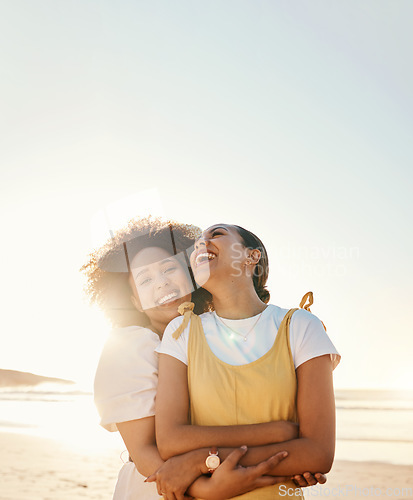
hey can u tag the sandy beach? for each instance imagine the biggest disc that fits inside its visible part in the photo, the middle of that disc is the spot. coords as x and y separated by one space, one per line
38 468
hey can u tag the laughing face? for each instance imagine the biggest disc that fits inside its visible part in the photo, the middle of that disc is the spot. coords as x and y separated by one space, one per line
160 281
218 253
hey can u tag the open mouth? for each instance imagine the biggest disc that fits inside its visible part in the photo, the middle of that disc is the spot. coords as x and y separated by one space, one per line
168 298
204 257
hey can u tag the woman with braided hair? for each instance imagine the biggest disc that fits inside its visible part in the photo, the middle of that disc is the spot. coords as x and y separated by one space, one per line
247 362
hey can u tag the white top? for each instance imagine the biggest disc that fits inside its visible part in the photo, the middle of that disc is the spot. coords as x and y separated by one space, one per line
308 339
127 376
125 388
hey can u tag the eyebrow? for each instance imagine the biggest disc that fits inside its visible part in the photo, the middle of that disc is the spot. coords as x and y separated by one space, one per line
168 261
143 271
218 227
146 269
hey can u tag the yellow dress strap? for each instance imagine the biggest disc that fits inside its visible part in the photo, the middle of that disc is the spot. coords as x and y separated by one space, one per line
303 305
185 309
309 296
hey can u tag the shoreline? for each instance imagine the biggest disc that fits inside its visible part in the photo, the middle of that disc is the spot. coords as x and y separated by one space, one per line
40 467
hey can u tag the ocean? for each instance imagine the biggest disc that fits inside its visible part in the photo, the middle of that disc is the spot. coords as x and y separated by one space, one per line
375 426
371 425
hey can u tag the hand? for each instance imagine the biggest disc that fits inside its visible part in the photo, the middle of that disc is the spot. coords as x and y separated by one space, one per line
308 479
230 479
175 475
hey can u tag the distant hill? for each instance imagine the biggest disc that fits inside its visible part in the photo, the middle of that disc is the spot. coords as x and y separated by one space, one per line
12 378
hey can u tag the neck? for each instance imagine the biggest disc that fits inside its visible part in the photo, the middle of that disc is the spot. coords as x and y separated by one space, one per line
158 327
237 301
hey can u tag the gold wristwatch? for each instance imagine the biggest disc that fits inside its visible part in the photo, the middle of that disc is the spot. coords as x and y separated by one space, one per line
212 461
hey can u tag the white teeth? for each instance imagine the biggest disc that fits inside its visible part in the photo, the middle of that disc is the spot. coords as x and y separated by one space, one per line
167 297
203 257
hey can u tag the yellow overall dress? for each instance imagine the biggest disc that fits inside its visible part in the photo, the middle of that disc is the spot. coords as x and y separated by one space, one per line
261 391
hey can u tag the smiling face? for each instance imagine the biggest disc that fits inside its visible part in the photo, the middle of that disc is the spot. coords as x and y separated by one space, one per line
219 252
160 283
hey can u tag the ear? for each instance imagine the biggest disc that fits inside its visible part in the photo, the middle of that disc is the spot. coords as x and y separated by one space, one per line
255 255
136 303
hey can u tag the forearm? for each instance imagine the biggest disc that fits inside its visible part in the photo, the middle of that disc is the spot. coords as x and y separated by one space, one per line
304 455
198 488
139 438
147 460
181 438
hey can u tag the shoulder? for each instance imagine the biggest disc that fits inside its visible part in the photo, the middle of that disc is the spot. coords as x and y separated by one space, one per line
174 324
275 314
171 328
126 376
309 338
128 354
177 322
302 319
133 346
305 327
130 337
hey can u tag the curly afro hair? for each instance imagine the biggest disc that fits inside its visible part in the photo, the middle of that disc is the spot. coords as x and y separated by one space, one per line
107 268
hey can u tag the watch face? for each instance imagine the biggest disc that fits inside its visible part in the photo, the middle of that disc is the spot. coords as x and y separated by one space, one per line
213 461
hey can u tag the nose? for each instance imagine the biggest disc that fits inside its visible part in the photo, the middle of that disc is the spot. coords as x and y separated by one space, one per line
201 242
162 281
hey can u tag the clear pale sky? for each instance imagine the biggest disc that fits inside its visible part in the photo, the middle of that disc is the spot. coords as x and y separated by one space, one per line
291 118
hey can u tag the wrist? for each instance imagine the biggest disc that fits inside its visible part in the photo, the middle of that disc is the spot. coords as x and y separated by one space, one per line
199 488
199 458
212 461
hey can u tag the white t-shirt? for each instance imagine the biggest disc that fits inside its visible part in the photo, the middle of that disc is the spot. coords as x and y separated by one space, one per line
125 388
308 339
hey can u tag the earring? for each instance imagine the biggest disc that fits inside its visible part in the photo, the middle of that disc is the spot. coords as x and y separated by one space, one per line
248 262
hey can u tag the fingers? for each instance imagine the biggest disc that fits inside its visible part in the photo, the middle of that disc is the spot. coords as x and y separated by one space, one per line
299 480
234 457
158 487
321 478
182 496
311 480
308 479
262 481
150 478
169 496
267 466
281 479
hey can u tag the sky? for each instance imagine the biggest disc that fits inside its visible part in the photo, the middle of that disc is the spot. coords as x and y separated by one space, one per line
291 118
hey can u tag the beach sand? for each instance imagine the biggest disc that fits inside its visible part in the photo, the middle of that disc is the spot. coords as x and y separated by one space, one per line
37 468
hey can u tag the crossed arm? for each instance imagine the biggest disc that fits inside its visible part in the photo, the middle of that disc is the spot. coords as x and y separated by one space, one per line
139 436
179 472
312 450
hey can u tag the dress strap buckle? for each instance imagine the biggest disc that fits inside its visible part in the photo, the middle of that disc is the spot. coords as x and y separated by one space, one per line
303 305
309 296
185 309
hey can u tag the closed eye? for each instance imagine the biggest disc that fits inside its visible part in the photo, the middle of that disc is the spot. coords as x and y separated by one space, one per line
170 269
216 233
145 281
